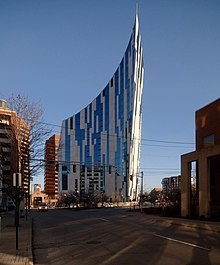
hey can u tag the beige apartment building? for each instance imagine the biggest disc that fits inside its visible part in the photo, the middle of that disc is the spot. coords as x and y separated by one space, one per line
14 152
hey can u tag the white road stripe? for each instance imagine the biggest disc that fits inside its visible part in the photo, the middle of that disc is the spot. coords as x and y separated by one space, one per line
182 242
123 216
103 219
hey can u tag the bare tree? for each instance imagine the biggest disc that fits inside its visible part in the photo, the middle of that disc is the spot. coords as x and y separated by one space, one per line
32 113
154 196
68 198
24 137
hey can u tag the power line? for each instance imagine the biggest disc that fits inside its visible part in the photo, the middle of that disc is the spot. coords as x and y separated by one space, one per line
167 142
101 165
169 146
135 139
155 168
70 163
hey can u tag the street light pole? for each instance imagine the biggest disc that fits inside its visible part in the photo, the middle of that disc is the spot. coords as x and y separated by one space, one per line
142 183
17 214
17 184
26 208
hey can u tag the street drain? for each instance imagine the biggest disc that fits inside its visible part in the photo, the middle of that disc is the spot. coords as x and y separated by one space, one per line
93 242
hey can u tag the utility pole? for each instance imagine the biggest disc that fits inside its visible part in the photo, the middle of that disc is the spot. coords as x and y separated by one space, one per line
142 183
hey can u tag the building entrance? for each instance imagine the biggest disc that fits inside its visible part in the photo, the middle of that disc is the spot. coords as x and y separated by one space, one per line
214 164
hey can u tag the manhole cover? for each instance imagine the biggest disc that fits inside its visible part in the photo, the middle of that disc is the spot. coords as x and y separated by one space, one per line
93 242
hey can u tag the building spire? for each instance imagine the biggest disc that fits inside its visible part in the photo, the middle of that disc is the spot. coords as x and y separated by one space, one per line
137 9
136 17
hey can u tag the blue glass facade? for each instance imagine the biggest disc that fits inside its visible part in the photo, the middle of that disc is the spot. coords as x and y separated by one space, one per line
102 141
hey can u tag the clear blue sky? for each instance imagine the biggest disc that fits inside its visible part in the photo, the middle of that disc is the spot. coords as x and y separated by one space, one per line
63 52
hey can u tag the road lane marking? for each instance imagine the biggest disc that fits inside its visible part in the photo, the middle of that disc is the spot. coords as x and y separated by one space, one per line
122 251
123 216
182 242
103 219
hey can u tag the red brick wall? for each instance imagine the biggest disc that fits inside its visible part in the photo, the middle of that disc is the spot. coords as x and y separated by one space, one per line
208 123
50 174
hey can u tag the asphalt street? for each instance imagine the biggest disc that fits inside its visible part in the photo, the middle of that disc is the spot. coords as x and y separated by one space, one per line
116 237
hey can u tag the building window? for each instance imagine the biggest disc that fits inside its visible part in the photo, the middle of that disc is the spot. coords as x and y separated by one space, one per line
64 168
71 123
64 182
112 82
76 184
83 168
209 140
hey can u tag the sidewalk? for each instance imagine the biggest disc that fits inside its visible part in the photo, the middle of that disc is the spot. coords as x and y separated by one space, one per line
197 224
8 253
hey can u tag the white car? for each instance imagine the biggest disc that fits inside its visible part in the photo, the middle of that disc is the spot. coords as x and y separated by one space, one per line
42 207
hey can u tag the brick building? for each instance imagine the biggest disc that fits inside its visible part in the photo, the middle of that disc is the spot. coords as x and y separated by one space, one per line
200 191
50 174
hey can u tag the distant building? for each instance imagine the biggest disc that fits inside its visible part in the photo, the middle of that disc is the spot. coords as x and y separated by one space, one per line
51 173
100 145
38 197
171 186
200 170
37 188
157 189
14 151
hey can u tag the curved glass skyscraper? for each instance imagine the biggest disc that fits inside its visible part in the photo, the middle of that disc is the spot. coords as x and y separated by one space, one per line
100 145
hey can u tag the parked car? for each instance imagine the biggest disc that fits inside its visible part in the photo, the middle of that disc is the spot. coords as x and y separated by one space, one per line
43 207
